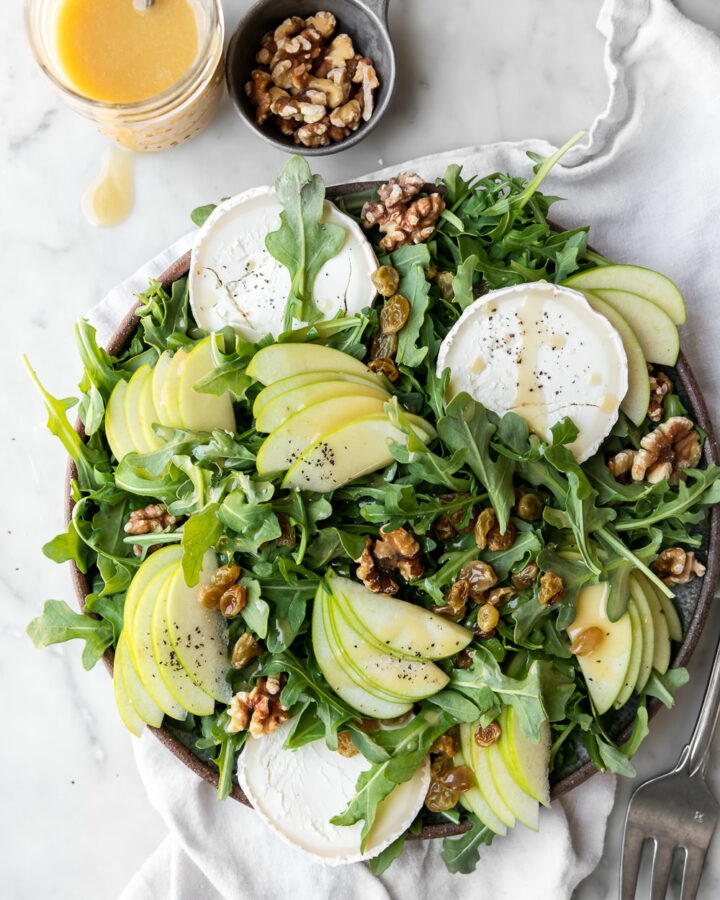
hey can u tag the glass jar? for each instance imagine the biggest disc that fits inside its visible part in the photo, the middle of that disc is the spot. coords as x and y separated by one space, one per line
169 118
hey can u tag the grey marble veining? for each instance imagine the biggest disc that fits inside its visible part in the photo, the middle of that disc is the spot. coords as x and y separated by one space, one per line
77 822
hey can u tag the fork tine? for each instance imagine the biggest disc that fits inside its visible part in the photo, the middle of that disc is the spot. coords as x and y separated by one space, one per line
662 863
694 862
631 855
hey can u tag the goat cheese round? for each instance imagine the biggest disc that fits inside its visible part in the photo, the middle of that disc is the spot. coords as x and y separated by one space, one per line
539 350
235 281
297 792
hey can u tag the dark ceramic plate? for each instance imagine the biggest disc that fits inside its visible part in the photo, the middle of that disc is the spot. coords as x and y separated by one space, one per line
693 599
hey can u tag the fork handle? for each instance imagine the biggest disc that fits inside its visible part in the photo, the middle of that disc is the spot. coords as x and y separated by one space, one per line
696 754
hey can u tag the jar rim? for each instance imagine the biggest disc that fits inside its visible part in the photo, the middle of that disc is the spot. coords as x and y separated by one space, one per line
214 23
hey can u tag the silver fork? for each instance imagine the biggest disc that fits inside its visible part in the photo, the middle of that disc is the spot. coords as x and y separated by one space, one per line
675 810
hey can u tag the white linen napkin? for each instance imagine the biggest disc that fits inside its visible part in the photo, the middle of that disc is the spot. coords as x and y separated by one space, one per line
648 181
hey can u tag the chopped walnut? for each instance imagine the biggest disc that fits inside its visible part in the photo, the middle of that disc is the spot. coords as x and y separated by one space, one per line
677 566
671 447
260 709
620 465
401 221
551 588
447 526
152 519
392 550
660 387
305 77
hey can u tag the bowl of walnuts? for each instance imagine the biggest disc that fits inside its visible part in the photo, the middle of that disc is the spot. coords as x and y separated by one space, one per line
312 81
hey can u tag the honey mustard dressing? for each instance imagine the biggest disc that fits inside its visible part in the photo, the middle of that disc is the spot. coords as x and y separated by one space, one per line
529 396
109 197
113 52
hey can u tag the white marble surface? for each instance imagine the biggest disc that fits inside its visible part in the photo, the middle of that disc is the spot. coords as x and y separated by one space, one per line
76 822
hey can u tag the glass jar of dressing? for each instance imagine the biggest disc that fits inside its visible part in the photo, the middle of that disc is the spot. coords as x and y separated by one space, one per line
150 79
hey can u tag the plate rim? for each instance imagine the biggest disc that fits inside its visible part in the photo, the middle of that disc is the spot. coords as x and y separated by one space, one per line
711 453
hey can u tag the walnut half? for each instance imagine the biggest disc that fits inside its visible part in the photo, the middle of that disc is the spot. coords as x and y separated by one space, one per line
392 550
400 218
672 446
259 709
677 566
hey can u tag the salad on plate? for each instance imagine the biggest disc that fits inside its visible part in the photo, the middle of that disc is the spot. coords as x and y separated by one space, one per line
382 507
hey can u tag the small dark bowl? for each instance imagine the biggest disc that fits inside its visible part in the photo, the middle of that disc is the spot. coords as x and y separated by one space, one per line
366 23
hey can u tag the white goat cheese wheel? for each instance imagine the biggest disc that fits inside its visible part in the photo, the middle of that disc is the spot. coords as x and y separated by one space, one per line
235 281
539 350
297 792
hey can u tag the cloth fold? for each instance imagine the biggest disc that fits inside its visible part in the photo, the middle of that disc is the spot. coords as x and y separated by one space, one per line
647 181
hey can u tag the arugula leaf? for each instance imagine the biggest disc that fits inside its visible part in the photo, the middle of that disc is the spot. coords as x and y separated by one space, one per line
256 612
461 855
664 687
164 319
68 546
415 288
201 214
200 532
468 425
378 864
701 488
303 243
639 732
462 282
58 623
255 522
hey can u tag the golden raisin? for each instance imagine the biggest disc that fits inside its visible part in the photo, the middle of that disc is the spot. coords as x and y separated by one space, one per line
530 507
525 578
287 536
464 659
345 744
484 522
226 575
245 650
442 529
394 314
486 737
459 779
209 595
586 641
446 784
498 596
439 798
487 617
455 601
385 367
446 744
431 271
384 346
497 541
480 578
444 281
233 600
551 588
386 280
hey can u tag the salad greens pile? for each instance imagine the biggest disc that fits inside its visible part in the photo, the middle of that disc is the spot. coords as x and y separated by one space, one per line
494 232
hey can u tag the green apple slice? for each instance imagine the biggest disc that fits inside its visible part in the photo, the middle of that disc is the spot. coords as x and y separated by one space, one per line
282 360
140 640
278 411
396 625
130 718
474 801
675 629
116 431
527 761
170 391
181 686
347 453
647 626
288 442
285 385
142 702
199 635
636 655
396 677
524 807
659 289
637 399
661 652
606 666
158 561
148 415
203 412
483 777
160 371
654 329
132 407
353 694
